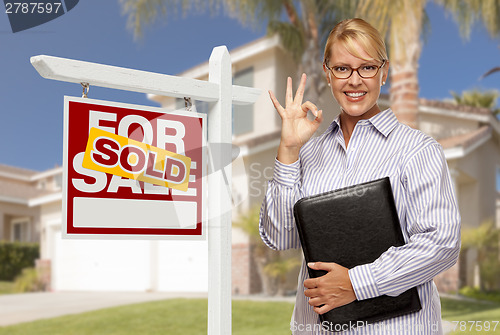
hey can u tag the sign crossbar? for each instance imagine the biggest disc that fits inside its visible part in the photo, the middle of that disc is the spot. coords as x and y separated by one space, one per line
75 71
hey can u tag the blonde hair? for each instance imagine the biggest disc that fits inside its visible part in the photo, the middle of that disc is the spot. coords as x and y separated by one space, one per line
352 31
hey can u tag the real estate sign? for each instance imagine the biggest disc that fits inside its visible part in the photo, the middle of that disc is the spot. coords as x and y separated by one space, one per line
132 171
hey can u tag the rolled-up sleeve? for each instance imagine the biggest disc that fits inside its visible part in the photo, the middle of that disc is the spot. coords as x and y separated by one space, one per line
432 225
276 222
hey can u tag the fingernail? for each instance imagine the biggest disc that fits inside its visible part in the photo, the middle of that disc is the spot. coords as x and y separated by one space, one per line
315 112
310 264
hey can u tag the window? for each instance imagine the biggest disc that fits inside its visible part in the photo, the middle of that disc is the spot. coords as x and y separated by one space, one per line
243 114
20 231
58 181
42 185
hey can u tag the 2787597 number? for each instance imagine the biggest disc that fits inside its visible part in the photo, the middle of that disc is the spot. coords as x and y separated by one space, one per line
479 326
32 7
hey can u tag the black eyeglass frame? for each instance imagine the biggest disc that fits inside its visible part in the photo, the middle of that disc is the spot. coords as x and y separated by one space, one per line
384 61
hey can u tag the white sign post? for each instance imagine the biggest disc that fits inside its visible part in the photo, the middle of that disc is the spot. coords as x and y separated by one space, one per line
217 89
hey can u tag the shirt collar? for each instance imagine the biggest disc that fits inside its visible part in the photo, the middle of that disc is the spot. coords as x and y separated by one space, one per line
384 122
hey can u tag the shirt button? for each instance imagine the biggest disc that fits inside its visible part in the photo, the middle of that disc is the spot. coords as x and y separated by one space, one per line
290 176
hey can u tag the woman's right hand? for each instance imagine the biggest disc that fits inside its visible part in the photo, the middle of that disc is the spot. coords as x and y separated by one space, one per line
296 128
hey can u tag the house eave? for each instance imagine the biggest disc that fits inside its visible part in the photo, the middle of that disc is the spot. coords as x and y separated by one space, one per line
45 199
460 152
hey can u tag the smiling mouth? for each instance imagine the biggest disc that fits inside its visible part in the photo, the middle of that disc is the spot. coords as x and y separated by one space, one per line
355 95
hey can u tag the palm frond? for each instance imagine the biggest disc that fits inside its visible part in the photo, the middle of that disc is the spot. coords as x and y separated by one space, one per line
292 39
467 12
279 268
332 12
249 222
477 98
141 13
493 70
253 13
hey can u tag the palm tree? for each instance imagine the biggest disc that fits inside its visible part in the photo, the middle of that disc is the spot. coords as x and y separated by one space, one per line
477 98
302 25
272 266
402 21
484 239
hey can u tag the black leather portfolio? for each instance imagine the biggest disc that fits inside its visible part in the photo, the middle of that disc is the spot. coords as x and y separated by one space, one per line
353 226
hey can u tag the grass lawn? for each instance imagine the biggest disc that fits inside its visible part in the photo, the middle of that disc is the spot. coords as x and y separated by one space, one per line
175 316
453 310
189 316
6 287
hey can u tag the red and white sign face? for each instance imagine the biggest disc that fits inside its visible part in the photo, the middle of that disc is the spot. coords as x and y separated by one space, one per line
97 204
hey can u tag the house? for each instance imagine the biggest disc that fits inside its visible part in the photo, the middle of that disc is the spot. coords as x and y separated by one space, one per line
469 136
24 195
471 141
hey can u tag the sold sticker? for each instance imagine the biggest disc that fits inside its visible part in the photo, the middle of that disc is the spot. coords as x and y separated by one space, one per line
124 157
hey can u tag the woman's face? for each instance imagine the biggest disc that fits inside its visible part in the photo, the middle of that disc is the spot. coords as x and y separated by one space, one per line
357 96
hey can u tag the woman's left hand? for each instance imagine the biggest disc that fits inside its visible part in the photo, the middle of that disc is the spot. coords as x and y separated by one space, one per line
331 290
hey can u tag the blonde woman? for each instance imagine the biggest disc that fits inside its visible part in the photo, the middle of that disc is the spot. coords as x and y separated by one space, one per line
363 143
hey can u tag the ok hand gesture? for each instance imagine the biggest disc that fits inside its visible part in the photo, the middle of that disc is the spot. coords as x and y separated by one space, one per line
296 128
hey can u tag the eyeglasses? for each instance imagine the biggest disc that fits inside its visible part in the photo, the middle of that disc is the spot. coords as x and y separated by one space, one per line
364 71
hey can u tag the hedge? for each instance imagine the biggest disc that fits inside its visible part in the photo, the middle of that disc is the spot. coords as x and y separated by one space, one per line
15 256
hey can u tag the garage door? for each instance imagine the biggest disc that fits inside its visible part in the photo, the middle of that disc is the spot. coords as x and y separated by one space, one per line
128 265
88 265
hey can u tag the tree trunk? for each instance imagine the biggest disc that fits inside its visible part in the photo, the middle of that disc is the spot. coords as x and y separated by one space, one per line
268 285
311 65
311 59
405 49
404 96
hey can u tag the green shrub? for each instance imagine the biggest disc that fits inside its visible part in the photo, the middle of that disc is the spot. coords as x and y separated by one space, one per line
476 293
28 281
15 256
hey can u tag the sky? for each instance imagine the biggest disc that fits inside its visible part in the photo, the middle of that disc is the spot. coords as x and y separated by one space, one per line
31 107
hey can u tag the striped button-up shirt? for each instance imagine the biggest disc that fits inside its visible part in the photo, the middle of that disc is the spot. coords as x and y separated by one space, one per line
425 202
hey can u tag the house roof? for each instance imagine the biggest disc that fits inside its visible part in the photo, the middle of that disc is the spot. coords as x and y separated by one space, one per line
466 140
16 172
448 108
461 145
446 105
20 193
19 186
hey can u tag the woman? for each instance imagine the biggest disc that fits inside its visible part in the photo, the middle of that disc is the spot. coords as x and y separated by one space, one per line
362 144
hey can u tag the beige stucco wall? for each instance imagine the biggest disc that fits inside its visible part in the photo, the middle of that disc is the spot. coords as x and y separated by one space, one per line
477 195
51 218
477 187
